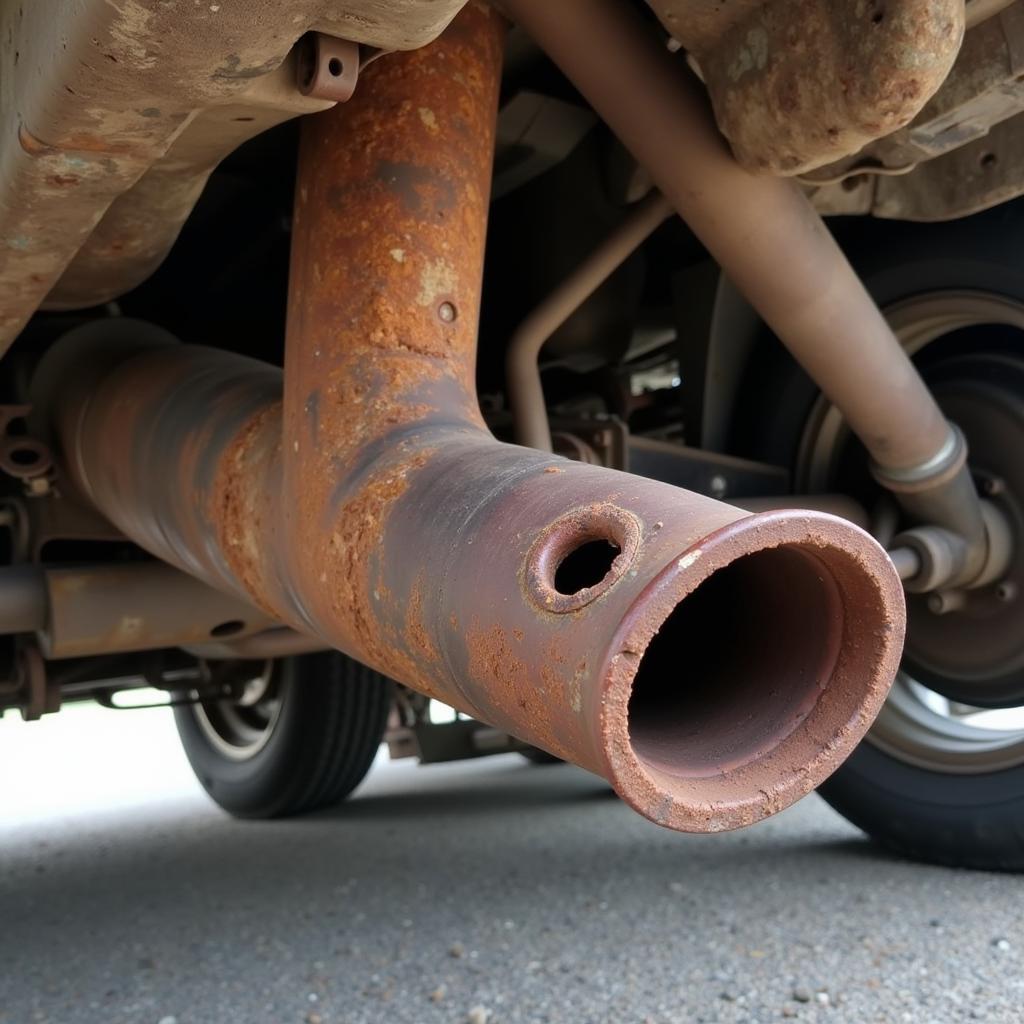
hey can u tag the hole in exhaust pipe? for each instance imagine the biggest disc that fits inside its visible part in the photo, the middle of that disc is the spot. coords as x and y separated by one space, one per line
585 566
581 556
738 665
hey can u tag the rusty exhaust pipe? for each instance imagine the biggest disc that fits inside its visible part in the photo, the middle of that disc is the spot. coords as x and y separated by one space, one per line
713 665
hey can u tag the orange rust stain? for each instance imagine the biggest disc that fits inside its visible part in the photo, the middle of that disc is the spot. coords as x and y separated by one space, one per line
94 144
30 144
35 146
414 628
354 541
554 653
237 504
514 699
387 228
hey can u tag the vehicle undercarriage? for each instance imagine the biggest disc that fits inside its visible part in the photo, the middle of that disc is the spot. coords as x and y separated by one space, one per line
644 382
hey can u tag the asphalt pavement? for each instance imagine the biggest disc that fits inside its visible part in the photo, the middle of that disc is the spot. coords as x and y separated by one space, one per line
488 892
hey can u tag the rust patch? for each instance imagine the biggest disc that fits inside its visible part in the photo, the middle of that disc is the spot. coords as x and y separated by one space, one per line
237 502
147 93
417 632
346 579
508 690
423 193
581 526
797 84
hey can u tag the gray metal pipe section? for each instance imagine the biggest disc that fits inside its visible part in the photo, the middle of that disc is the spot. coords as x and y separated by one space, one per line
522 371
113 609
22 600
981 10
906 562
272 643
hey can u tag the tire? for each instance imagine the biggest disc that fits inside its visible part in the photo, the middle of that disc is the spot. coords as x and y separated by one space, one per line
933 808
306 747
974 821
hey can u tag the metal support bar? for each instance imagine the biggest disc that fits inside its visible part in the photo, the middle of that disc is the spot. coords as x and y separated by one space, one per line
981 10
522 372
111 609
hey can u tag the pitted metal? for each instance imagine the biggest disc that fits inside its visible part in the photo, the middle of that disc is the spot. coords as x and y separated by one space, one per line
126 107
800 83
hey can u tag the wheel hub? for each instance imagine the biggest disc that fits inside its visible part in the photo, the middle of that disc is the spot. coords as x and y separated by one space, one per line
240 727
975 654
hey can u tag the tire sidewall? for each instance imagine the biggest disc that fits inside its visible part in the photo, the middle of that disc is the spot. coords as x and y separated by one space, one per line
239 786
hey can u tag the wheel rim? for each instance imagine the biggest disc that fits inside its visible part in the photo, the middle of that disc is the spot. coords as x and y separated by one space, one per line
927 722
241 727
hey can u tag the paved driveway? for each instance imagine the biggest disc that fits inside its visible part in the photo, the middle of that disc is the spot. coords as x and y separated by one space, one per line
486 892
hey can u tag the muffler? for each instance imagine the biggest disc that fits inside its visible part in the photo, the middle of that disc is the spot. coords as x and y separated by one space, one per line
713 665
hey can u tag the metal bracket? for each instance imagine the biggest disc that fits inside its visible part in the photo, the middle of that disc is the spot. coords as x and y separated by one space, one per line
39 698
328 68
23 457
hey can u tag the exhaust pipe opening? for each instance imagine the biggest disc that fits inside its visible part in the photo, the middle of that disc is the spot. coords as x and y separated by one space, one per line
737 666
748 670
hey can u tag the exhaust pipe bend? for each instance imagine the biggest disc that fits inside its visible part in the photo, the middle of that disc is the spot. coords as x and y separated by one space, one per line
713 665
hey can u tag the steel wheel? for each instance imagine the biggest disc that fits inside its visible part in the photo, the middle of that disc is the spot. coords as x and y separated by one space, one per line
240 728
958 705
300 734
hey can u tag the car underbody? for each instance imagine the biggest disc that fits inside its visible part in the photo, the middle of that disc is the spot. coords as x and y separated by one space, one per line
644 382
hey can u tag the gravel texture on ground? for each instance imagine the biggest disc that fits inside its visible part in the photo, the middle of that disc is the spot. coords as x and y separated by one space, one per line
490 892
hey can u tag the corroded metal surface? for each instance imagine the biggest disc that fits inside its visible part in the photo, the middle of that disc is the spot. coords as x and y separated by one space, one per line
976 177
81 611
800 83
961 154
141 225
713 665
94 93
760 230
87 613
983 89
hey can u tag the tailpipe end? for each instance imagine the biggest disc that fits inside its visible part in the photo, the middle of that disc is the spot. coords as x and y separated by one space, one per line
749 669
